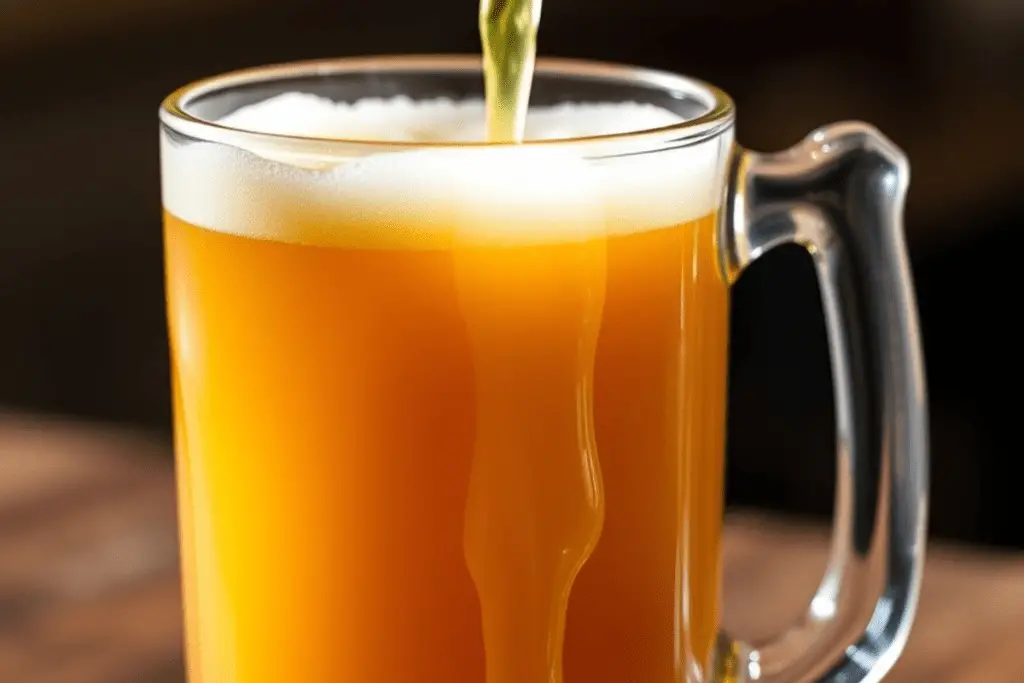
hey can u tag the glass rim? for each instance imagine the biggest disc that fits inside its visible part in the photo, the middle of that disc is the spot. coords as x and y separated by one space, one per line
175 114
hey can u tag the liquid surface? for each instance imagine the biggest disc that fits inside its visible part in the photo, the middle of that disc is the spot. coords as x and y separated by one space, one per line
510 195
437 425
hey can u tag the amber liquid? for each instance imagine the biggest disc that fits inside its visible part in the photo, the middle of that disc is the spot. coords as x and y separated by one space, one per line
449 465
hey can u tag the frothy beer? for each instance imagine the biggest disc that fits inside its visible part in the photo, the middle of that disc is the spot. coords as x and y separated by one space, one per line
446 414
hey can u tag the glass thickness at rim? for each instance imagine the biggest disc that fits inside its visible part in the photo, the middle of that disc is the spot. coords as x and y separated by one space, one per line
176 115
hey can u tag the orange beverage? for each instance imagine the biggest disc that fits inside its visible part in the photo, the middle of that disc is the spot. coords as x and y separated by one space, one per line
447 417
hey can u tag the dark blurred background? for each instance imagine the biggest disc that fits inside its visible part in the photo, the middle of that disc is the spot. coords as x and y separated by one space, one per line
81 299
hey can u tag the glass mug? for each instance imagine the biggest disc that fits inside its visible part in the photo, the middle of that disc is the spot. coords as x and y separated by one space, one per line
455 412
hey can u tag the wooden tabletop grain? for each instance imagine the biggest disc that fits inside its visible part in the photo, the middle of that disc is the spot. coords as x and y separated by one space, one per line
89 581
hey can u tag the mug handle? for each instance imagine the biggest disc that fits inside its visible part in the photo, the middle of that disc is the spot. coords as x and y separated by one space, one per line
840 194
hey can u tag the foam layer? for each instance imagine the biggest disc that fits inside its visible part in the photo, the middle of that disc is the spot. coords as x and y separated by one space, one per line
431 196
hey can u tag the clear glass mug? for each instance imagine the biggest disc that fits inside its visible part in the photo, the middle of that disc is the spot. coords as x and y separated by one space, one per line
453 412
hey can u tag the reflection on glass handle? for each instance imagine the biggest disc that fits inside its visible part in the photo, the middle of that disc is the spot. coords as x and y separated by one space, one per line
840 194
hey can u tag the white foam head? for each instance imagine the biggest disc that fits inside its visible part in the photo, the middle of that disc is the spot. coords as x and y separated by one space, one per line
429 195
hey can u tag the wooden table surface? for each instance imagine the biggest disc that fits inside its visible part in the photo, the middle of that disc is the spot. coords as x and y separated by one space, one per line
89 582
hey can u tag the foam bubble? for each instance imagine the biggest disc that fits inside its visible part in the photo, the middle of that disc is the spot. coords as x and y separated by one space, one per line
430 196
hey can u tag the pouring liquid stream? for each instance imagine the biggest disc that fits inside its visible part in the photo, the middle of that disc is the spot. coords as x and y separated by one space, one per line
508 34
535 504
